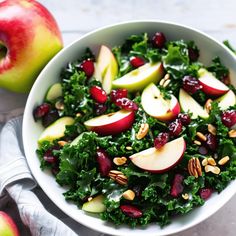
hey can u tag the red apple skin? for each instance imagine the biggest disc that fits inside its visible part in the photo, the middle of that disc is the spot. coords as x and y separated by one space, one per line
31 36
170 167
170 115
212 91
7 225
115 127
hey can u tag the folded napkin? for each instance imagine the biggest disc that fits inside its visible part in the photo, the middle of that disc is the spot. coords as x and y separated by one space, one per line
16 179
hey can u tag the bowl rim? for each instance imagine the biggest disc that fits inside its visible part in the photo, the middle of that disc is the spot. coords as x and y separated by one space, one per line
107 230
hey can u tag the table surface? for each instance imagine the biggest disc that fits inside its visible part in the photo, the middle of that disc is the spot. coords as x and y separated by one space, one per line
76 17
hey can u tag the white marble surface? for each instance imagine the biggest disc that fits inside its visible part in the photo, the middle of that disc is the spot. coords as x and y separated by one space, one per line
77 17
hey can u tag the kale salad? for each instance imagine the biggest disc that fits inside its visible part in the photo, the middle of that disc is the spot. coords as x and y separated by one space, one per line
141 132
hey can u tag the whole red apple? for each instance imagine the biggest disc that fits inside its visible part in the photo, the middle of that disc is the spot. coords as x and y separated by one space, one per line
29 38
7 225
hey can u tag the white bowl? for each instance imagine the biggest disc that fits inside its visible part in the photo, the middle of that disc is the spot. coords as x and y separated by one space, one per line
111 36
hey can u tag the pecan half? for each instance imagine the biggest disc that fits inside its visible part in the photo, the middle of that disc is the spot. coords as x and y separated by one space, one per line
194 167
118 176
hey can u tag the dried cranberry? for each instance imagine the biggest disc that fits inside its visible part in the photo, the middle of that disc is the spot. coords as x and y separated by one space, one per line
98 94
127 104
184 118
193 54
191 84
177 185
131 211
49 156
211 141
205 193
161 140
41 110
226 80
228 118
175 127
137 61
55 170
100 108
50 117
104 162
158 40
202 150
118 93
87 67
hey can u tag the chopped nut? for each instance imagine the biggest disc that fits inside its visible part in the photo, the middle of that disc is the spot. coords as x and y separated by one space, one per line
129 195
129 148
90 199
78 114
207 105
119 161
162 82
212 169
62 143
185 196
232 133
166 83
197 142
194 167
167 76
204 162
211 161
59 105
211 129
223 160
142 131
201 136
118 176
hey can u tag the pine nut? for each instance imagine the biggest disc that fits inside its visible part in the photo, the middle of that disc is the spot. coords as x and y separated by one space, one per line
223 160
201 136
197 142
211 129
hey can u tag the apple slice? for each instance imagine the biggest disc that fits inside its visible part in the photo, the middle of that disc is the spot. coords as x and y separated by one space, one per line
112 123
160 160
106 68
95 205
188 104
226 100
54 92
156 106
210 84
139 78
56 130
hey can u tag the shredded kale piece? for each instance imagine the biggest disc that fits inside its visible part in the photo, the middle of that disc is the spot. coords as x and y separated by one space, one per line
218 68
79 170
228 45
